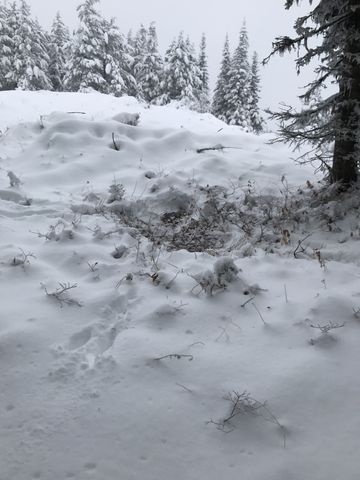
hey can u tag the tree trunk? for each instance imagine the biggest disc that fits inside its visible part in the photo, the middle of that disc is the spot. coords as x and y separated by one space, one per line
347 135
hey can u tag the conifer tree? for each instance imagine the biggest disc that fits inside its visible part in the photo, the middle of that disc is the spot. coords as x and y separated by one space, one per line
331 126
139 53
152 67
30 56
13 24
239 84
58 52
204 99
220 105
256 121
132 88
40 79
114 62
181 73
85 66
97 56
6 49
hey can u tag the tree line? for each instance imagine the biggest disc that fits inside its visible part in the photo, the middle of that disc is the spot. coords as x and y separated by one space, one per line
97 56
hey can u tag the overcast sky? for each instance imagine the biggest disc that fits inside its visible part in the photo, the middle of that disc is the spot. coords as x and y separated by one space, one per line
265 20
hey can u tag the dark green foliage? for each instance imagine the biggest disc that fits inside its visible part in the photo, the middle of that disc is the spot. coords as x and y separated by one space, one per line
330 125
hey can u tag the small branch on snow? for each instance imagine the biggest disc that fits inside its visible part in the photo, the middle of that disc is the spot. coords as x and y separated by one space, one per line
185 388
326 328
178 356
23 259
217 148
244 404
285 293
93 266
116 146
247 301
300 248
61 294
259 313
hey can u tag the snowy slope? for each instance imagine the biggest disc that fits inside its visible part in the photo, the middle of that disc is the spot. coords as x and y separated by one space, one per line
132 373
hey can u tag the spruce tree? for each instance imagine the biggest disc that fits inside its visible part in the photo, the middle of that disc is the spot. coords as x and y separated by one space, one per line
30 56
85 66
152 67
139 54
239 84
256 121
204 99
132 88
181 73
331 126
97 59
13 23
6 49
40 52
58 52
220 105
114 62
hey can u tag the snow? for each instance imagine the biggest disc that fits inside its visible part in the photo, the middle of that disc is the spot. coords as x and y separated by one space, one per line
125 370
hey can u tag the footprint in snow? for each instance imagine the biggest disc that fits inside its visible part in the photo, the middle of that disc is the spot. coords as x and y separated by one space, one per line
86 350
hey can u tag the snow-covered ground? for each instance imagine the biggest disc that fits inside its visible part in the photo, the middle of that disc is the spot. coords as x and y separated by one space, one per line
165 330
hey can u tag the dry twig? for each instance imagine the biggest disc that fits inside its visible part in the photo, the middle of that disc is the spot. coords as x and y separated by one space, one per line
61 294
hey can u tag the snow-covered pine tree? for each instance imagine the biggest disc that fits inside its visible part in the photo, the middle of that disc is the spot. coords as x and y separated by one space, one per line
85 65
130 40
13 23
32 52
139 54
132 88
167 84
30 59
152 68
194 62
6 49
332 123
256 121
114 60
40 79
239 84
204 100
58 52
97 55
220 106
181 73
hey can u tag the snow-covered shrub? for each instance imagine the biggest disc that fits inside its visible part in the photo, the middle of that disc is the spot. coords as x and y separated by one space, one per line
116 192
57 232
225 271
119 251
247 250
13 179
207 281
174 200
92 197
22 259
127 118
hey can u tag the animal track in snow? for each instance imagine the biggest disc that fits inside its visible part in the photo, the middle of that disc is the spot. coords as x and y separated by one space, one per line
86 350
